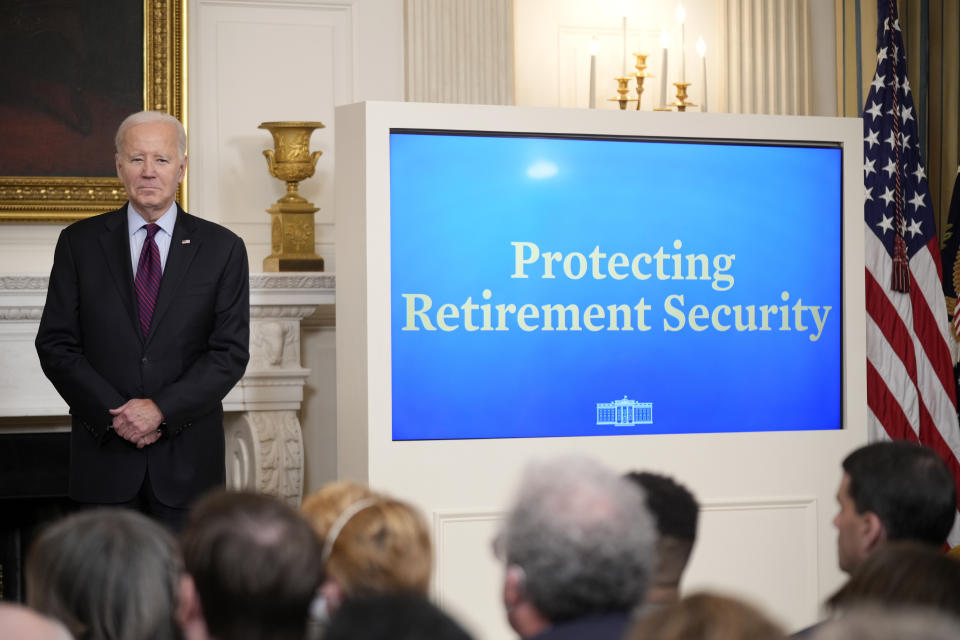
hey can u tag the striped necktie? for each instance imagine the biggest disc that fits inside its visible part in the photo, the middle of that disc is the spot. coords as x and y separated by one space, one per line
147 282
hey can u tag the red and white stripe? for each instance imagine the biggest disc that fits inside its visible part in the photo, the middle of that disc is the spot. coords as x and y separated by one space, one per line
910 388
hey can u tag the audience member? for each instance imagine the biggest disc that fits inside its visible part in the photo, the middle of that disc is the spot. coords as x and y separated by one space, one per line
256 565
110 574
375 545
898 623
675 511
892 491
706 616
322 507
903 573
20 623
393 617
578 544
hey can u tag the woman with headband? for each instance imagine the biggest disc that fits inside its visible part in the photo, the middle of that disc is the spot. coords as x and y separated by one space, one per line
372 544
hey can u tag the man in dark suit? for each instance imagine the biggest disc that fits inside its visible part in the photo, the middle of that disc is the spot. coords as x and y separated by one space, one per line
145 330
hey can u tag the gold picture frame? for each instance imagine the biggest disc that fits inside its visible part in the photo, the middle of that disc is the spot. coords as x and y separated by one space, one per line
64 199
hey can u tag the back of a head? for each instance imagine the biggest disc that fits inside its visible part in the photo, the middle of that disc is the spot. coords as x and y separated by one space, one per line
382 545
890 623
20 623
583 538
674 508
903 573
256 564
676 512
908 487
322 507
107 574
393 617
706 616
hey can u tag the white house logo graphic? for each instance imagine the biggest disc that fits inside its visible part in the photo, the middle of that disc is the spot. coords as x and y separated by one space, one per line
624 413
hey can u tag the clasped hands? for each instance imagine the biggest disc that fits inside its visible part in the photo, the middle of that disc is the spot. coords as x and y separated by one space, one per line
138 420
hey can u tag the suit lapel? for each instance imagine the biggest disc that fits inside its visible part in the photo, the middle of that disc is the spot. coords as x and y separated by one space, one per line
115 241
183 248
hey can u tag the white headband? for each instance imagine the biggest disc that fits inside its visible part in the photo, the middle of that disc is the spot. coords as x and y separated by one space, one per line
340 523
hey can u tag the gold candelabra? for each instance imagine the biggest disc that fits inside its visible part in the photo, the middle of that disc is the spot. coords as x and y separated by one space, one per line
623 83
623 92
641 74
682 103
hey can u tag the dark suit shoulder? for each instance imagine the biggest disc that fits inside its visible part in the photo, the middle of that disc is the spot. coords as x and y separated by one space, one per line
95 225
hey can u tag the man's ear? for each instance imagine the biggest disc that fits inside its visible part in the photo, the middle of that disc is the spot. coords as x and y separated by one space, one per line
189 611
874 533
514 586
331 590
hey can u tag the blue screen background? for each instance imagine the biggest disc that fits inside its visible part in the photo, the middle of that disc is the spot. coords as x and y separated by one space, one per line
458 201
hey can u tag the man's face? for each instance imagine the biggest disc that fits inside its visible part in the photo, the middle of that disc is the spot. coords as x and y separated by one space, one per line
150 167
853 530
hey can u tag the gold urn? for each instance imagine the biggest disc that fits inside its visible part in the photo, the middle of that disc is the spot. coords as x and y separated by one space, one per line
291 217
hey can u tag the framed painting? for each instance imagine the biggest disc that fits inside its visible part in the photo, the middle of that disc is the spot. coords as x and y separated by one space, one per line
72 71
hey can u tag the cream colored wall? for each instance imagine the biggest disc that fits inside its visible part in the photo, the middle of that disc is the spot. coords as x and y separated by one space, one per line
254 61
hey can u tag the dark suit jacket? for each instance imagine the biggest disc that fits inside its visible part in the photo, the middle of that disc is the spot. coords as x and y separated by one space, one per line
90 347
603 626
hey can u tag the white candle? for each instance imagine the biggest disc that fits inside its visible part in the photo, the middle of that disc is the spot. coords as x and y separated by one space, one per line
681 17
702 50
594 50
624 71
664 42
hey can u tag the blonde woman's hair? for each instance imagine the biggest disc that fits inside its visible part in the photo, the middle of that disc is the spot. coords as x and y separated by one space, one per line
383 548
372 543
322 507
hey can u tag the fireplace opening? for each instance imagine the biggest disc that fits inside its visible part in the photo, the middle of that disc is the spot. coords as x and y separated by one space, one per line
33 492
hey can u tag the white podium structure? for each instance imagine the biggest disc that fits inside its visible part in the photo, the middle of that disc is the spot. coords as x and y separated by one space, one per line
767 497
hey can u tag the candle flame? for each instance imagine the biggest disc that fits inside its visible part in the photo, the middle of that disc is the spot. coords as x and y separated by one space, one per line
664 39
595 46
701 46
681 14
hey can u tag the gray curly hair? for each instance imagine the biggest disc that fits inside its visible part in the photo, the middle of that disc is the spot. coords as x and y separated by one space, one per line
583 536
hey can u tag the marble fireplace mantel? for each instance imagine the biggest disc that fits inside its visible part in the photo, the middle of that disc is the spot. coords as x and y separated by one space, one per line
264 443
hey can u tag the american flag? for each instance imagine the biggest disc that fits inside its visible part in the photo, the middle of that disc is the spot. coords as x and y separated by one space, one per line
910 387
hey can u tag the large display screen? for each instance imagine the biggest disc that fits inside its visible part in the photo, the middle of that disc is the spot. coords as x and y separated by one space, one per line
573 286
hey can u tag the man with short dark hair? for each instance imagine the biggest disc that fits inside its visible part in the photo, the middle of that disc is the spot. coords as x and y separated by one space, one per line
675 511
578 545
256 564
892 491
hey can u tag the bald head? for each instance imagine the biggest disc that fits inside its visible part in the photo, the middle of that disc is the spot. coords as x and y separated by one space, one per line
20 623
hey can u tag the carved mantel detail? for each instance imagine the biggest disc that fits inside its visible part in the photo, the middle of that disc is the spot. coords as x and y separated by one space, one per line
263 435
